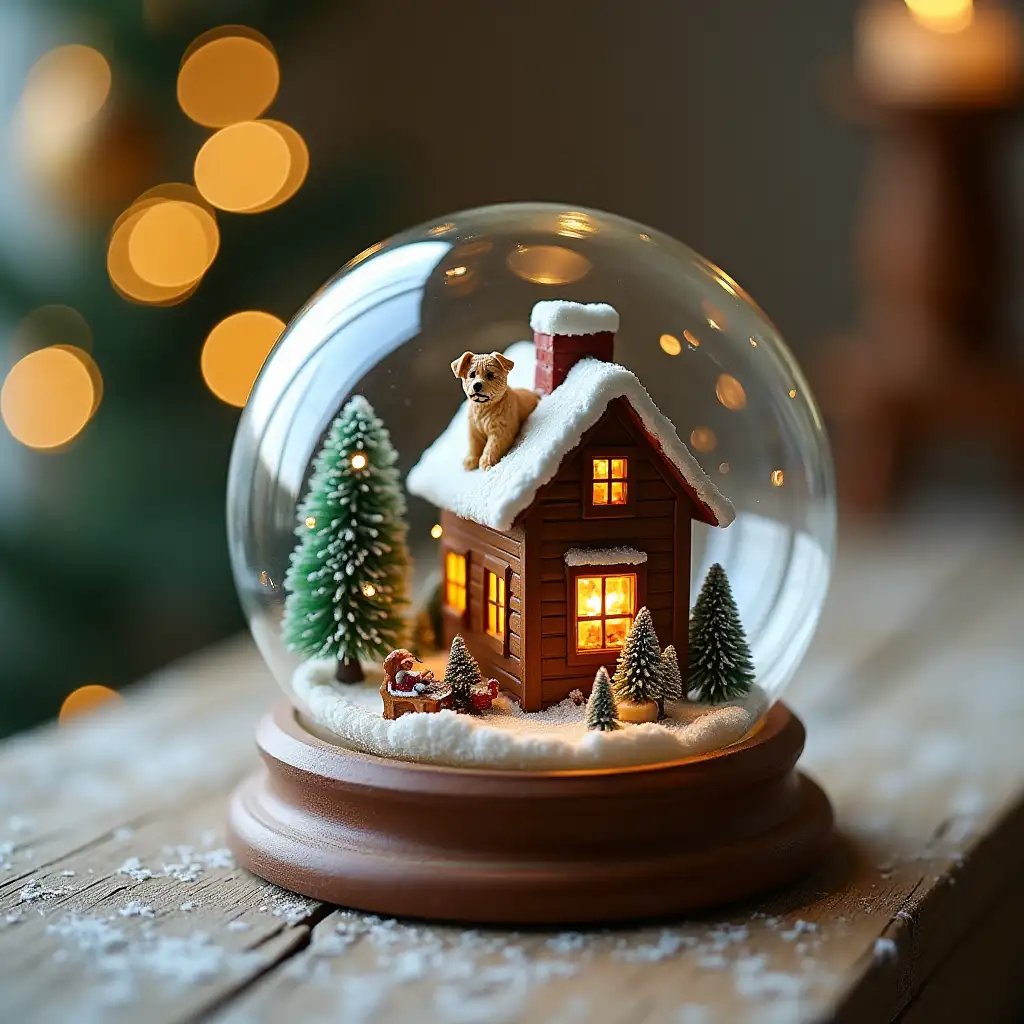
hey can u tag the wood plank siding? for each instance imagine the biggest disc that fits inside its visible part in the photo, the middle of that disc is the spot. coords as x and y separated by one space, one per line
540 665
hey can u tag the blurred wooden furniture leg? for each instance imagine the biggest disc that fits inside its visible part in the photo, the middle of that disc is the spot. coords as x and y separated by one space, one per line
927 359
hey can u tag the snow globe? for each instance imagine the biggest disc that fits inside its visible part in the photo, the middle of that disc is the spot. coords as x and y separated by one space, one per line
532 515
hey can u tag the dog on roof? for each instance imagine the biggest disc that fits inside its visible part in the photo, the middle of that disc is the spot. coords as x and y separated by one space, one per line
496 411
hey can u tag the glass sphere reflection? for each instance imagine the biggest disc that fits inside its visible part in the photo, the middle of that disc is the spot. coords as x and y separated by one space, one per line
389 324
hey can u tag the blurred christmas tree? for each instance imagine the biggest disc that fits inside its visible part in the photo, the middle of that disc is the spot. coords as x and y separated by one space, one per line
117 426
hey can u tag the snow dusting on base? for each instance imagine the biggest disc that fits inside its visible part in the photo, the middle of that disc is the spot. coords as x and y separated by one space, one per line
507 737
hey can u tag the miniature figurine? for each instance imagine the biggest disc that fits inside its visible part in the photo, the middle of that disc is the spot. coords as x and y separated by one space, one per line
496 411
721 668
598 492
401 676
346 581
602 710
405 690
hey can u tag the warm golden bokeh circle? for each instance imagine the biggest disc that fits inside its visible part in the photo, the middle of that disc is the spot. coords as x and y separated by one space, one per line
85 700
548 264
243 167
49 396
670 344
227 75
69 83
234 352
730 392
161 246
168 245
703 439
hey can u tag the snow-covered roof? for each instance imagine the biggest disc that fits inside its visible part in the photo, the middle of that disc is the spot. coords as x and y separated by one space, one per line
559 316
494 497
605 556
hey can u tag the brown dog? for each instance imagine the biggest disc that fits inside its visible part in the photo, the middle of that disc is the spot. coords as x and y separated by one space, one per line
496 411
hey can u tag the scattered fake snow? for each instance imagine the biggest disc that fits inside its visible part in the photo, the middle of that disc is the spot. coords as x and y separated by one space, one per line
605 556
559 316
508 738
494 497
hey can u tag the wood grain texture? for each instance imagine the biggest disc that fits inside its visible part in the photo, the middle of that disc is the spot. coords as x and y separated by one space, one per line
912 699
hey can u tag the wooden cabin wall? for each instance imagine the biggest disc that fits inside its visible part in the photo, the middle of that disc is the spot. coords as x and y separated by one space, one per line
660 525
463 535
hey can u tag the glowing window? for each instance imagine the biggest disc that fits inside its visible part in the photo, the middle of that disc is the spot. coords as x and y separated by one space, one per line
455 581
610 484
605 606
496 605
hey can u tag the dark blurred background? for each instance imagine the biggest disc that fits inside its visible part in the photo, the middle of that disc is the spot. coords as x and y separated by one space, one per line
720 123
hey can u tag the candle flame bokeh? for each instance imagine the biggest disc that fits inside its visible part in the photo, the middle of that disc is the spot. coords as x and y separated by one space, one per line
942 15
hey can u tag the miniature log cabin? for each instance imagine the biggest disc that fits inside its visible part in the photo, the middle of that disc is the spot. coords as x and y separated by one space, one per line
548 555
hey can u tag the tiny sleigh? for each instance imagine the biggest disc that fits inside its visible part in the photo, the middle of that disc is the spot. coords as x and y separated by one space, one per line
402 702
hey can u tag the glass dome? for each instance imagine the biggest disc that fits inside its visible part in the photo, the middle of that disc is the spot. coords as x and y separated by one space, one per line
389 324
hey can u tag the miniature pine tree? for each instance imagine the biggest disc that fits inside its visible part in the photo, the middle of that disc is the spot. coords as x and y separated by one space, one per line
461 674
670 677
637 675
346 582
602 711
720 666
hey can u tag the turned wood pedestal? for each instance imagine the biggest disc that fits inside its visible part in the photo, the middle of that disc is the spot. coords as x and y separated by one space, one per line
419 840
930 361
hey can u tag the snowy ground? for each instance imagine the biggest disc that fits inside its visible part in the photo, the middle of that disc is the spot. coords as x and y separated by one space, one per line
508 738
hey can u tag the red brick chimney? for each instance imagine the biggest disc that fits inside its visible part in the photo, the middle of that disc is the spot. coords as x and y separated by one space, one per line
566 332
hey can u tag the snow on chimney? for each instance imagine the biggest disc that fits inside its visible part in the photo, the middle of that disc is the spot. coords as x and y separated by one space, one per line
566 332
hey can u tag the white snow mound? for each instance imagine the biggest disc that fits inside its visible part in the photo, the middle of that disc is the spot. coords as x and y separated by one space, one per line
507 738
494 497
559 316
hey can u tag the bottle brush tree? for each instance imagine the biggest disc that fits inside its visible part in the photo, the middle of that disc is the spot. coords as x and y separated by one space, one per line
637 675
670 677
602 711
720 666
346 583
462 673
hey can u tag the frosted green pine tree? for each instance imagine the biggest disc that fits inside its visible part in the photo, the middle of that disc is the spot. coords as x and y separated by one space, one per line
462 673
637 675
602 711
720 666
346 582
670 677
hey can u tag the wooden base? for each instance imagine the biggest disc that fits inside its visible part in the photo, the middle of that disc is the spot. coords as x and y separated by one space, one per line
460 844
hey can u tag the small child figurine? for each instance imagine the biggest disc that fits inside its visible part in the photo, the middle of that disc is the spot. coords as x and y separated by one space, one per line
400 675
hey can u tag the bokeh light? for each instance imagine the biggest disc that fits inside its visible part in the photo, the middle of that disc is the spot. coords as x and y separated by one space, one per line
64 92
703 439
168 245
234 352
730 392
161 246
227 75
548 264
244 167
670 344
942 15
85 700
49 396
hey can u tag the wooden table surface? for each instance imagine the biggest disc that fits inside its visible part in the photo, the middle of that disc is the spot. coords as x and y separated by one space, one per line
119 902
